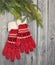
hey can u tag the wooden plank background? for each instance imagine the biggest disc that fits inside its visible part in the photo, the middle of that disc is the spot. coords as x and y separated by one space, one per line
44 37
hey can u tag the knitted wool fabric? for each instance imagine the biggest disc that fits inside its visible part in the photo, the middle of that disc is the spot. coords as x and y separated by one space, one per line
11 51
24 39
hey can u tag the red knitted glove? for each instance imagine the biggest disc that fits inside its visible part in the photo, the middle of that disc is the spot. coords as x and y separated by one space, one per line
10 50
24 39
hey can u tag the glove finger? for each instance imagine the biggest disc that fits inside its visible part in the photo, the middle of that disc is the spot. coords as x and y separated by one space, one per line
18 55
8 53
30 47
27 50
29 44
13 54
32 42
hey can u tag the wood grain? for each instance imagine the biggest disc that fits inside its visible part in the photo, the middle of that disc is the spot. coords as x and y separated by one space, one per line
44 37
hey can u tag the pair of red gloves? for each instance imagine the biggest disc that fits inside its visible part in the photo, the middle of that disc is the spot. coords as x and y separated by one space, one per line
19 40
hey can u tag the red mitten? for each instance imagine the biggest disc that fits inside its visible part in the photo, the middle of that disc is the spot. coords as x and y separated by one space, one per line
10 47
24 39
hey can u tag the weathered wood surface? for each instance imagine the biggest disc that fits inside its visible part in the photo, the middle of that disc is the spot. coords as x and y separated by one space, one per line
44 54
